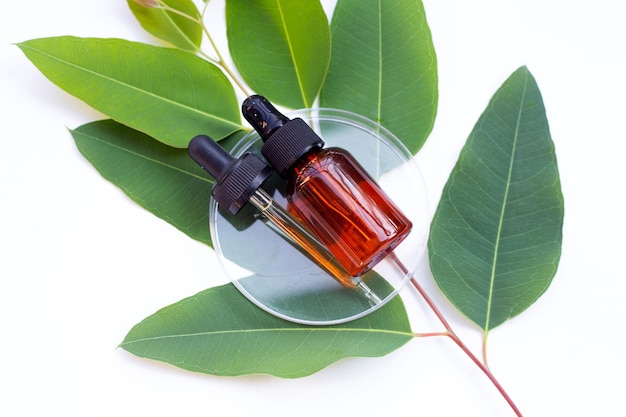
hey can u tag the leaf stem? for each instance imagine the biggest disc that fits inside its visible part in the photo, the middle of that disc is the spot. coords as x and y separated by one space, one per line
432 334
450 333
204 9
485 349
220 59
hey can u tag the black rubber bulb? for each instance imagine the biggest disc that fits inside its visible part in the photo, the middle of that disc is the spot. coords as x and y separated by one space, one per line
210 156
262 115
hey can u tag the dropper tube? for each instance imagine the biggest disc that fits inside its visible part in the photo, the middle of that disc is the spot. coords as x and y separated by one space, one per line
239 181
283 223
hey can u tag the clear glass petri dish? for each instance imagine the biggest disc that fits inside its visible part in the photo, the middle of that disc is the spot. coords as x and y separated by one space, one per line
273 274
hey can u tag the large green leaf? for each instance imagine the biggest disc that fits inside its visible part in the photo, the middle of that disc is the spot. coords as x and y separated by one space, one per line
175 28
383 66
495 240
168 94
162 179
220 332
280 47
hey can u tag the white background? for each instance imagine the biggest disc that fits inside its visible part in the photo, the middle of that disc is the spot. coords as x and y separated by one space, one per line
81 264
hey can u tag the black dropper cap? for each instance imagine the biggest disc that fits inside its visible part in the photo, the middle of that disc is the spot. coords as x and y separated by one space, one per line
236 179
285 140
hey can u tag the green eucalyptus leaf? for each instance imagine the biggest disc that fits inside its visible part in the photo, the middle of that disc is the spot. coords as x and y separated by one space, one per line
219 332
383 66
495 239
280 47
162 179
181 27
166 93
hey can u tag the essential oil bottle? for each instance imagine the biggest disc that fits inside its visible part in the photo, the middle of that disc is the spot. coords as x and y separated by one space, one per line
239 181
328 190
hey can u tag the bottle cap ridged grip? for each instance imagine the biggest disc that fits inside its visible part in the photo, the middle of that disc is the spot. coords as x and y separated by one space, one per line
236 179
289 143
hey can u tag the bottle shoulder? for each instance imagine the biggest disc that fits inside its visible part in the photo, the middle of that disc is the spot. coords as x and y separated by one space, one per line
326 159
328 168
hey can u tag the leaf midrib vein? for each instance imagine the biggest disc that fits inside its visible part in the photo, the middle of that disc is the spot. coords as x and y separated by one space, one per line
503 210
131 87
292 54
380 63
250 331
145 157
179 30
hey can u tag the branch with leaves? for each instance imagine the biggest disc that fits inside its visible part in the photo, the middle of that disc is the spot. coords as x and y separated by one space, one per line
495 238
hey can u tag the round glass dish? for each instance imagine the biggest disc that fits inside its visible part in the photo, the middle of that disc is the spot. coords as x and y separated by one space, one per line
273 274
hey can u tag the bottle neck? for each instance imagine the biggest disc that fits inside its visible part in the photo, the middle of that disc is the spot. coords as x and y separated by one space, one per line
286 146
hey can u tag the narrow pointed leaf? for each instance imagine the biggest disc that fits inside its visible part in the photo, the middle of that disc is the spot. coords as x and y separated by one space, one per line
220 332
168 94
495 239
172 27
160 178
280 47
383 66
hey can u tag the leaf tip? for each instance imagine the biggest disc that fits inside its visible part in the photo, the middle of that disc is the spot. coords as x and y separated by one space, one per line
523 69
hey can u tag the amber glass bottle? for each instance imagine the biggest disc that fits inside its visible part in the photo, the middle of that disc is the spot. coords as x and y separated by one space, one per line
328 190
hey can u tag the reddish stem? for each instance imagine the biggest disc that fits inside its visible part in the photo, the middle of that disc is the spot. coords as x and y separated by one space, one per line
452 335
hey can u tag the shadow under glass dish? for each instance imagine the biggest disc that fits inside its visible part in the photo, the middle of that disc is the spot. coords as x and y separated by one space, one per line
276 276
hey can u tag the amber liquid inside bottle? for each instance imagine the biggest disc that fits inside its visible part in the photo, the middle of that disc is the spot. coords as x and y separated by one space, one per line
345 208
